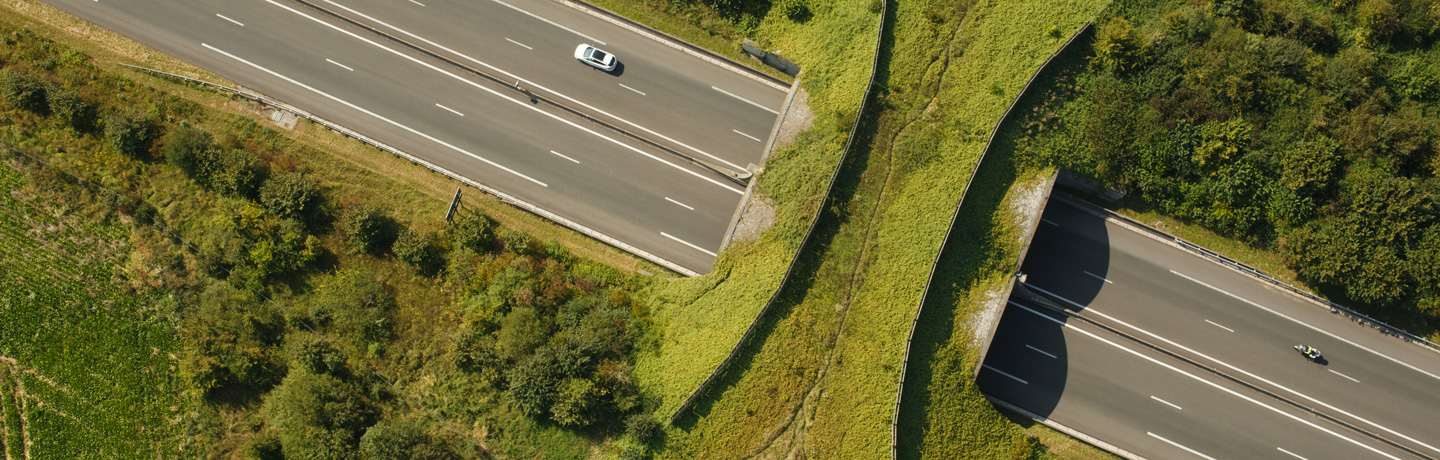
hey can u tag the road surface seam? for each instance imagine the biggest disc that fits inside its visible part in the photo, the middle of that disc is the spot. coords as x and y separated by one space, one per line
534 97
1226 376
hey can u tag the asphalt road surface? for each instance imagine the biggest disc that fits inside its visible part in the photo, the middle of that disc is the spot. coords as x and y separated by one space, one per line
1373 396
673 199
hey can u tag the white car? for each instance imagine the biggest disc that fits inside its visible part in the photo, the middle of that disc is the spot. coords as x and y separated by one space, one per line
595 58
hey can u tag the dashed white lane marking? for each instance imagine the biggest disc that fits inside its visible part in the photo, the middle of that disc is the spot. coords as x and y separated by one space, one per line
343 66
522 103
457 112
1037 350
687 243
373 114
1048 221
998 371
231 20
683 205
1101 278
553 23
518 43
1292 454
417 3
747 101
565 157
1176 444
1232 367
1168 403
1316 329
1352 379
1197 378
537 85
1212 323
747 135
622 85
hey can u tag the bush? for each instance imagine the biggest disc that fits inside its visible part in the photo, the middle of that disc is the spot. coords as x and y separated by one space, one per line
72 109
292 195
521 332
575 403
472 230
517 241
642 427
317 416
315 354
1119 46
25 91
236 173
356 305
417 249
265 445
534 384
187 149
367 228
130 132
403 440
229 339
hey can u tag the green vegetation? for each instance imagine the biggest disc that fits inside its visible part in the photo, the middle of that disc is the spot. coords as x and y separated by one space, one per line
1300 128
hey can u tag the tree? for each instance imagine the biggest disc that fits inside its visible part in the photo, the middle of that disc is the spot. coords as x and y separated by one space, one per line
317 416
236 172
473 230
293 195
534 384
230 339
575 403
130 132
187 148
315 353
24 91
403 440
367 228
1119 46
417 249
521 332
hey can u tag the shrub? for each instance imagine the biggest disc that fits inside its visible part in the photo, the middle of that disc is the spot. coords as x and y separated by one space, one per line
417 249
517 241
575 403
535 382
72 109
265 445
472 230
187 149
403 440
356 305
24 91
1118 46
317 416
367 228
130 132
521 332
236 172
314 353
292 195
642 427
229 338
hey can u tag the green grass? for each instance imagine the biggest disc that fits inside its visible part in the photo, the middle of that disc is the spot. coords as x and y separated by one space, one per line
94 366
820 380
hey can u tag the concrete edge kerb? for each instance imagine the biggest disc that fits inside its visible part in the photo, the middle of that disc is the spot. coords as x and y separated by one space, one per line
1091 440
764 155
681 45
1253 273
433 167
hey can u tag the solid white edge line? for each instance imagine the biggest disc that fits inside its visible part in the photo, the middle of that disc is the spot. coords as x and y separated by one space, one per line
521 103
1168 403
1212 323
1302 323
1352 379
1292 454
747 101
343 66
1037 350
518 43
1101 278
1176 444
1007 374
1201 380
687 243
231 20
1236 369
553 23
457 112
683 205
538 86
373 114
622 85
565 157
756 139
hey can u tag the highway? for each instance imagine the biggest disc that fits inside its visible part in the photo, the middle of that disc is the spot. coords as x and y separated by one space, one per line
1373 396
671 195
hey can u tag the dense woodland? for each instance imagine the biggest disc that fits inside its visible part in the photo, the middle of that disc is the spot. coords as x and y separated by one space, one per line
1311 128
299 309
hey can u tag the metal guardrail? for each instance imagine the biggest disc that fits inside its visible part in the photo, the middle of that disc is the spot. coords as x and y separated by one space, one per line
1256 273
910 339
809 233
433 167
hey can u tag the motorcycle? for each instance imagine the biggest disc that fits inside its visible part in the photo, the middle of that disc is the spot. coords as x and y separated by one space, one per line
1309 352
